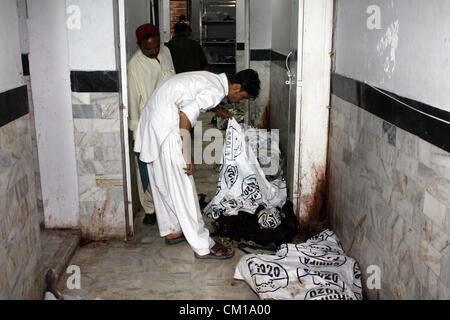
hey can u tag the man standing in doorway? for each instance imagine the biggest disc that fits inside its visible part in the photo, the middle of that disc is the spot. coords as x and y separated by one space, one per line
187 54
163 141
147 69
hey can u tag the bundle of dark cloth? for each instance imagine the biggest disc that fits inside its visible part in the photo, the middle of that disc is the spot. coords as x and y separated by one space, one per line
266 227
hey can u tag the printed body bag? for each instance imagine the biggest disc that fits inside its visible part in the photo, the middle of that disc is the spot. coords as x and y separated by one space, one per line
242 185
315 270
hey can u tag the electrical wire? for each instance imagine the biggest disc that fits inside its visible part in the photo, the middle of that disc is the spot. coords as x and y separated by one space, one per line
420 111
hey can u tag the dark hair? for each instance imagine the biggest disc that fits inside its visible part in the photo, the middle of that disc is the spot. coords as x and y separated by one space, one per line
249 81
180 27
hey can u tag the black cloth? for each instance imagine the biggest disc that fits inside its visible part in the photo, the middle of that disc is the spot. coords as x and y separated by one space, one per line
187 54
246 226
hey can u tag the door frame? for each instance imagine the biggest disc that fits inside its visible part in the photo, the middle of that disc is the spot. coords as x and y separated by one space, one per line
297 85
313 83
129 219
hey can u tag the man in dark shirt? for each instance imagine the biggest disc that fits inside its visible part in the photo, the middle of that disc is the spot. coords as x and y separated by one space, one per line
187 54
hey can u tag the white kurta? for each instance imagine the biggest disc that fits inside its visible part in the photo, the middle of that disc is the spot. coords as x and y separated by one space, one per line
159 143
190 92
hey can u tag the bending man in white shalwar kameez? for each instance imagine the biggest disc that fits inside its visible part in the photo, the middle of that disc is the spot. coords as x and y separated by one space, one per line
163 143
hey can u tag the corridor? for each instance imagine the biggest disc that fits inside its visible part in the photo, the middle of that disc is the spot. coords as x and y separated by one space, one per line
357 92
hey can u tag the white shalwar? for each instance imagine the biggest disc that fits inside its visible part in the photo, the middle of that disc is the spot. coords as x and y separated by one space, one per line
159 143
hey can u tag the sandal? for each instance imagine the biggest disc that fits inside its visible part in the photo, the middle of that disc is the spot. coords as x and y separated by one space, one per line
214 253
175 240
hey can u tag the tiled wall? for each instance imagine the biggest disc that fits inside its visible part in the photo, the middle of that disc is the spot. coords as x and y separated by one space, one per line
99 163
279 103
389 200
37 176
261 105
20 246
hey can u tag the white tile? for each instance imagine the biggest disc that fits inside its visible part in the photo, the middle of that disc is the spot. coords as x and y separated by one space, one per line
84 153
81 98
407 143
106 125
424 152
430 256
407 165
94 194
83 125
440 161
435 210
86 182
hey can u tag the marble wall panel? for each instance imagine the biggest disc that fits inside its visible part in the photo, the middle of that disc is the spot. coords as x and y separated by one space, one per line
99 162
20 248
260 107
400 184
279 104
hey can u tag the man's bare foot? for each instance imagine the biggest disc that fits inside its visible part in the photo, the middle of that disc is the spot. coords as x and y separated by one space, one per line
173 236
218 251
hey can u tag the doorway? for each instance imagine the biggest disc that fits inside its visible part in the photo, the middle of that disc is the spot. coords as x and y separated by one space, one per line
180 11
132 14
304 83
299 96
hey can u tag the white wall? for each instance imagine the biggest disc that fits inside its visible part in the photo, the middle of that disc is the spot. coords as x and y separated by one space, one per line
261 24
50 80
10 55
281 25
314 112
164 20
23 29
409 55
137 12
240 21
92 46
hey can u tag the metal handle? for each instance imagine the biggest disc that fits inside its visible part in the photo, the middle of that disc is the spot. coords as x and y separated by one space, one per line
288 70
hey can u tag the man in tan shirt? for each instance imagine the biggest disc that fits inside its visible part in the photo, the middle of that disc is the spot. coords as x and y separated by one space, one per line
150 66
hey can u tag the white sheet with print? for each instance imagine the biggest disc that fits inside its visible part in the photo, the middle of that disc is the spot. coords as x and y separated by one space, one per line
315 270
242 184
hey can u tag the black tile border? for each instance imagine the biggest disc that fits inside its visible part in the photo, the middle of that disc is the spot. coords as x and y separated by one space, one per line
94 81
368 98
276 56
25 65
279 59
260 55
240 46
268 55
13 105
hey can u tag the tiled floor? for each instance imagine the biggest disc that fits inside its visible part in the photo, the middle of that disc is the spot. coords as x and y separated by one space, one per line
58 247
147 268
153 270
